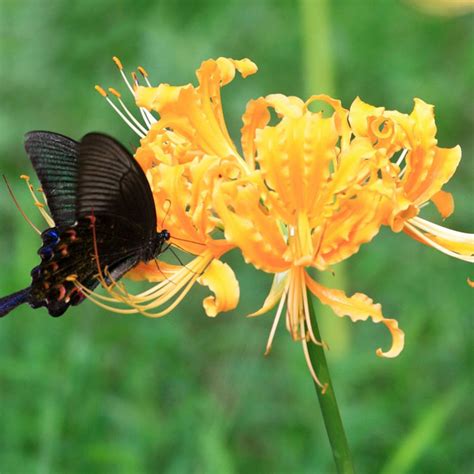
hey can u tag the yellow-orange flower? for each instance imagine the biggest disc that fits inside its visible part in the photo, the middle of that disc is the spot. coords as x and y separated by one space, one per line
183 152
418 173
314 195
304 194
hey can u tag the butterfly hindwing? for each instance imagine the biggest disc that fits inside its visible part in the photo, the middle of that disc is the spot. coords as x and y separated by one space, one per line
111 183
55 159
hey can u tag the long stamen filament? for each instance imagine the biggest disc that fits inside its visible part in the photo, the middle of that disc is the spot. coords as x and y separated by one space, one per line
304 343
424 238
127 111
102 92
402 157
40 206
118 63
276 321
17 204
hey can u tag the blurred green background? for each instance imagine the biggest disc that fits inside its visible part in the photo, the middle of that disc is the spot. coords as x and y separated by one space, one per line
97 392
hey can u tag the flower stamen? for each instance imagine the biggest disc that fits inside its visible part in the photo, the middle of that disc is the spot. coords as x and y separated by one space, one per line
304 343
104 94
127 111
402 156
40 206
276 320
119 65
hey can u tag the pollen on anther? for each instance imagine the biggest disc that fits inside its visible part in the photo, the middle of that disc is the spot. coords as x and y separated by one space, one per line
115 92
100 90
117 62
142 71
25 177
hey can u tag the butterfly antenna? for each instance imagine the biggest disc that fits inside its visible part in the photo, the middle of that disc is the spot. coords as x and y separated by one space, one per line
161 271
190 241
179 260
22 212
166 215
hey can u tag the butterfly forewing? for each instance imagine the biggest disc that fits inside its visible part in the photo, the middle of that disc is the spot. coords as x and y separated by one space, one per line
111 183
55 159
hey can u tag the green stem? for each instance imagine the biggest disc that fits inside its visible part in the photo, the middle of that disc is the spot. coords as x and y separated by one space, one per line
328 403
318 69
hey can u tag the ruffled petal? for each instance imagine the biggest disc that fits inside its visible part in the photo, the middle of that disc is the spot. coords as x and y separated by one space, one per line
359 307
428 170
248 226
257 116
359 113
195 113
221 280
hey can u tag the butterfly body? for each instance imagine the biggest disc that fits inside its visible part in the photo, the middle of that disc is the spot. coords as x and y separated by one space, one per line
104 214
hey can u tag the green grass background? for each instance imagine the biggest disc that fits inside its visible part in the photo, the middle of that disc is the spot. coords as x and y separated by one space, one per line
98 392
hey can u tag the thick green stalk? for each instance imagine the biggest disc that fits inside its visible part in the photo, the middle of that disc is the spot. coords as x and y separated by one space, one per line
319 78
317 54
328 403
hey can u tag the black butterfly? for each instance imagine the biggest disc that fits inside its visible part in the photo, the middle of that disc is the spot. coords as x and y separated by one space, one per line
104 216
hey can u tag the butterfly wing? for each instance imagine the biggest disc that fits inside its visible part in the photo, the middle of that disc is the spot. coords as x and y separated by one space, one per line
55 159
112 184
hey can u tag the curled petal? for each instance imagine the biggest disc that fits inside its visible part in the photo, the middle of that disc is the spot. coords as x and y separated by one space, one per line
359 307
221 280
196 113
359 113
280 283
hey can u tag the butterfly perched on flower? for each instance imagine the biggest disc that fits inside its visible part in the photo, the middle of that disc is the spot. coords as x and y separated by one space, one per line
92 189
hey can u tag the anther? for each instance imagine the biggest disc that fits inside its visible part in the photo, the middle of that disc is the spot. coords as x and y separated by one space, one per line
142 71
115 92
117 62
100 90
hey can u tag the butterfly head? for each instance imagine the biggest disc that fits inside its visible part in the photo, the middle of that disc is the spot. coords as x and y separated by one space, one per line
165 235
157 244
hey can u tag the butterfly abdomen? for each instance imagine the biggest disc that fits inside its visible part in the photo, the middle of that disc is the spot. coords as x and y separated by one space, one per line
7 303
